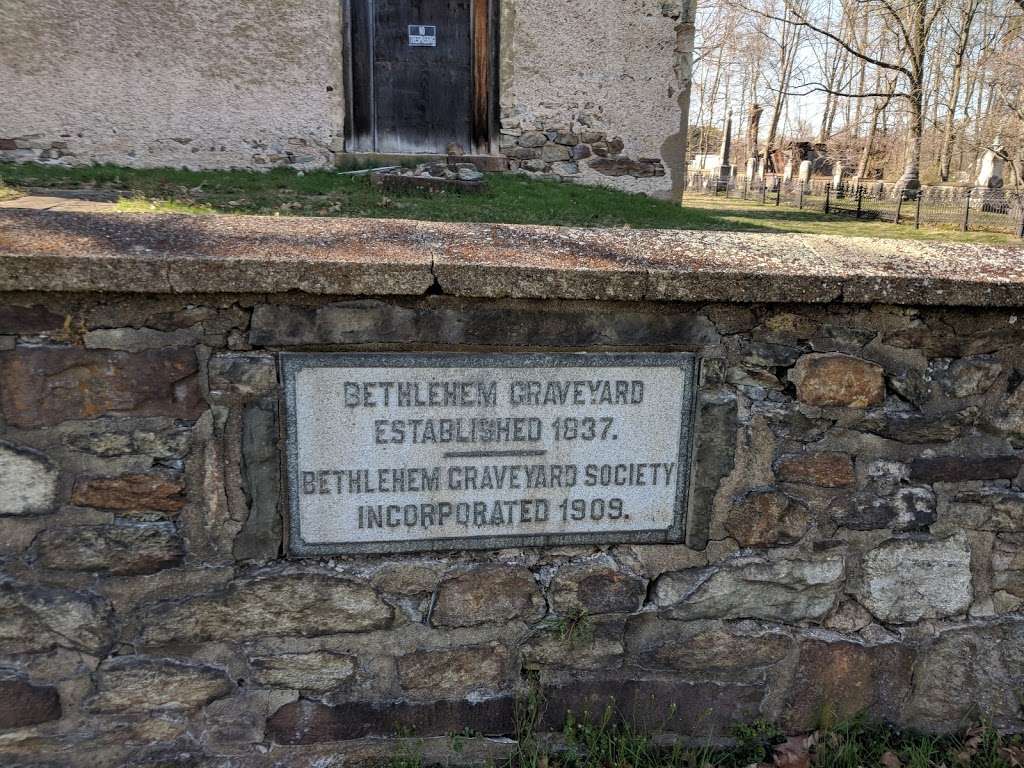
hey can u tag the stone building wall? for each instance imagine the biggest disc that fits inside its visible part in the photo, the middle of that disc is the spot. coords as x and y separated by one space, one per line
193 83
209 84
854 534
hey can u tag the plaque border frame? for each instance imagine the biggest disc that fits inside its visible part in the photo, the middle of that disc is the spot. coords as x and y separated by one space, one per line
290 363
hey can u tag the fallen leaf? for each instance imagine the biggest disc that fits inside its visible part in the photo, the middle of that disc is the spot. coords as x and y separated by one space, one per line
890 760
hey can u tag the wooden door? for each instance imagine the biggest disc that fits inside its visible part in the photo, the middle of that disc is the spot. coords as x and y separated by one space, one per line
416 81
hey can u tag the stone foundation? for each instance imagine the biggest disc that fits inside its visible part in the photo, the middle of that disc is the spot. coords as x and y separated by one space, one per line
854 534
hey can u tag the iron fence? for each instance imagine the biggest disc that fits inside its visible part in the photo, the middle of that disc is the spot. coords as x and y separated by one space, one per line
967 209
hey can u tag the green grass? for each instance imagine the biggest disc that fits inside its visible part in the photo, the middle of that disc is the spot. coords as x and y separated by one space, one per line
606 742
508 199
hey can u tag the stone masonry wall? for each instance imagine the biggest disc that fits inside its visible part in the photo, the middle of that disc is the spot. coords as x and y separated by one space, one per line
215 84
597 92
855 537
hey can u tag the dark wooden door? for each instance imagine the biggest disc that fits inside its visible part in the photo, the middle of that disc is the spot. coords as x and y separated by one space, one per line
411 92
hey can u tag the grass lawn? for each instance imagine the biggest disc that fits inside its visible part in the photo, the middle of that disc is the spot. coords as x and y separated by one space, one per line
509 199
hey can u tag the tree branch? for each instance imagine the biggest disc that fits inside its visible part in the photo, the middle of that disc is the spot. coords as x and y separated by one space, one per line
802 22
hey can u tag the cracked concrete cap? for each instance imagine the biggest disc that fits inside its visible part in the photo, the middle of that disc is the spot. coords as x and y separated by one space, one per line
159 253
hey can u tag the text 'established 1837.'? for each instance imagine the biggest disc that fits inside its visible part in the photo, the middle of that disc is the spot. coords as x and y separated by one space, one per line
405 452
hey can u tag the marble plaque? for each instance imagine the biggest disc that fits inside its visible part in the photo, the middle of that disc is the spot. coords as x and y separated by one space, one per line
406 452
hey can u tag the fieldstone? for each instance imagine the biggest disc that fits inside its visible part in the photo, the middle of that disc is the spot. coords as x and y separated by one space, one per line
767 518
838 680
34 619
408 579
910 427
592 643
591 137
242 374
43 386
536 166
488 593
702 649
131 684
906 580
597 586
824 469
521 153
261 537
28 481
533 139
565 169
714 459
1010 416
306 604
779 586
622 166
308 722
967 672
973 376
455 672
319 671
906 509
581 152
836 380
553 153
172 443
120 550
19 320
958 469
163 493
688 708
986 509
23 703
849 617
140 339
567 138
1008 566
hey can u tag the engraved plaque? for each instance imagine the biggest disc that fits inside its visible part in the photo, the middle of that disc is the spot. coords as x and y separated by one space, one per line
407 452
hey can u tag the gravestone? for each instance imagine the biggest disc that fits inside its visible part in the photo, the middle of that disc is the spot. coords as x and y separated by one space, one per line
725 170
787 172
486 451
837 175
805 172
990 176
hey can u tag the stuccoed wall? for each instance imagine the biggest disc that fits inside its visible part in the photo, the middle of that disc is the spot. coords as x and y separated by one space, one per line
208 84
854 538
606 84
193 83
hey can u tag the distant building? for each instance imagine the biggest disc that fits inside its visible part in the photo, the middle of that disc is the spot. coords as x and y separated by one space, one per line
595 90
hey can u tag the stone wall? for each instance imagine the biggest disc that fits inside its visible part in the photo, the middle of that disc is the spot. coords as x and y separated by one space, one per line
208 84
854 536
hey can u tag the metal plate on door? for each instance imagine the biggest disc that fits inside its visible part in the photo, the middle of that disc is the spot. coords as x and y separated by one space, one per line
422 36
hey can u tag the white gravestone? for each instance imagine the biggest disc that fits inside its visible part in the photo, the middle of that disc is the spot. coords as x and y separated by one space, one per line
397 453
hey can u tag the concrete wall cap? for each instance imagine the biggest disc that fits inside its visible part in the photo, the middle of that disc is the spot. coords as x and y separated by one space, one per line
176 254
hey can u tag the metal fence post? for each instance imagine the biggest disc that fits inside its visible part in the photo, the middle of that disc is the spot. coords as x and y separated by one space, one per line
899 205
860 198
917 212
828 194
1020 224
778 193
967 211
800 198
764 186
746 186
